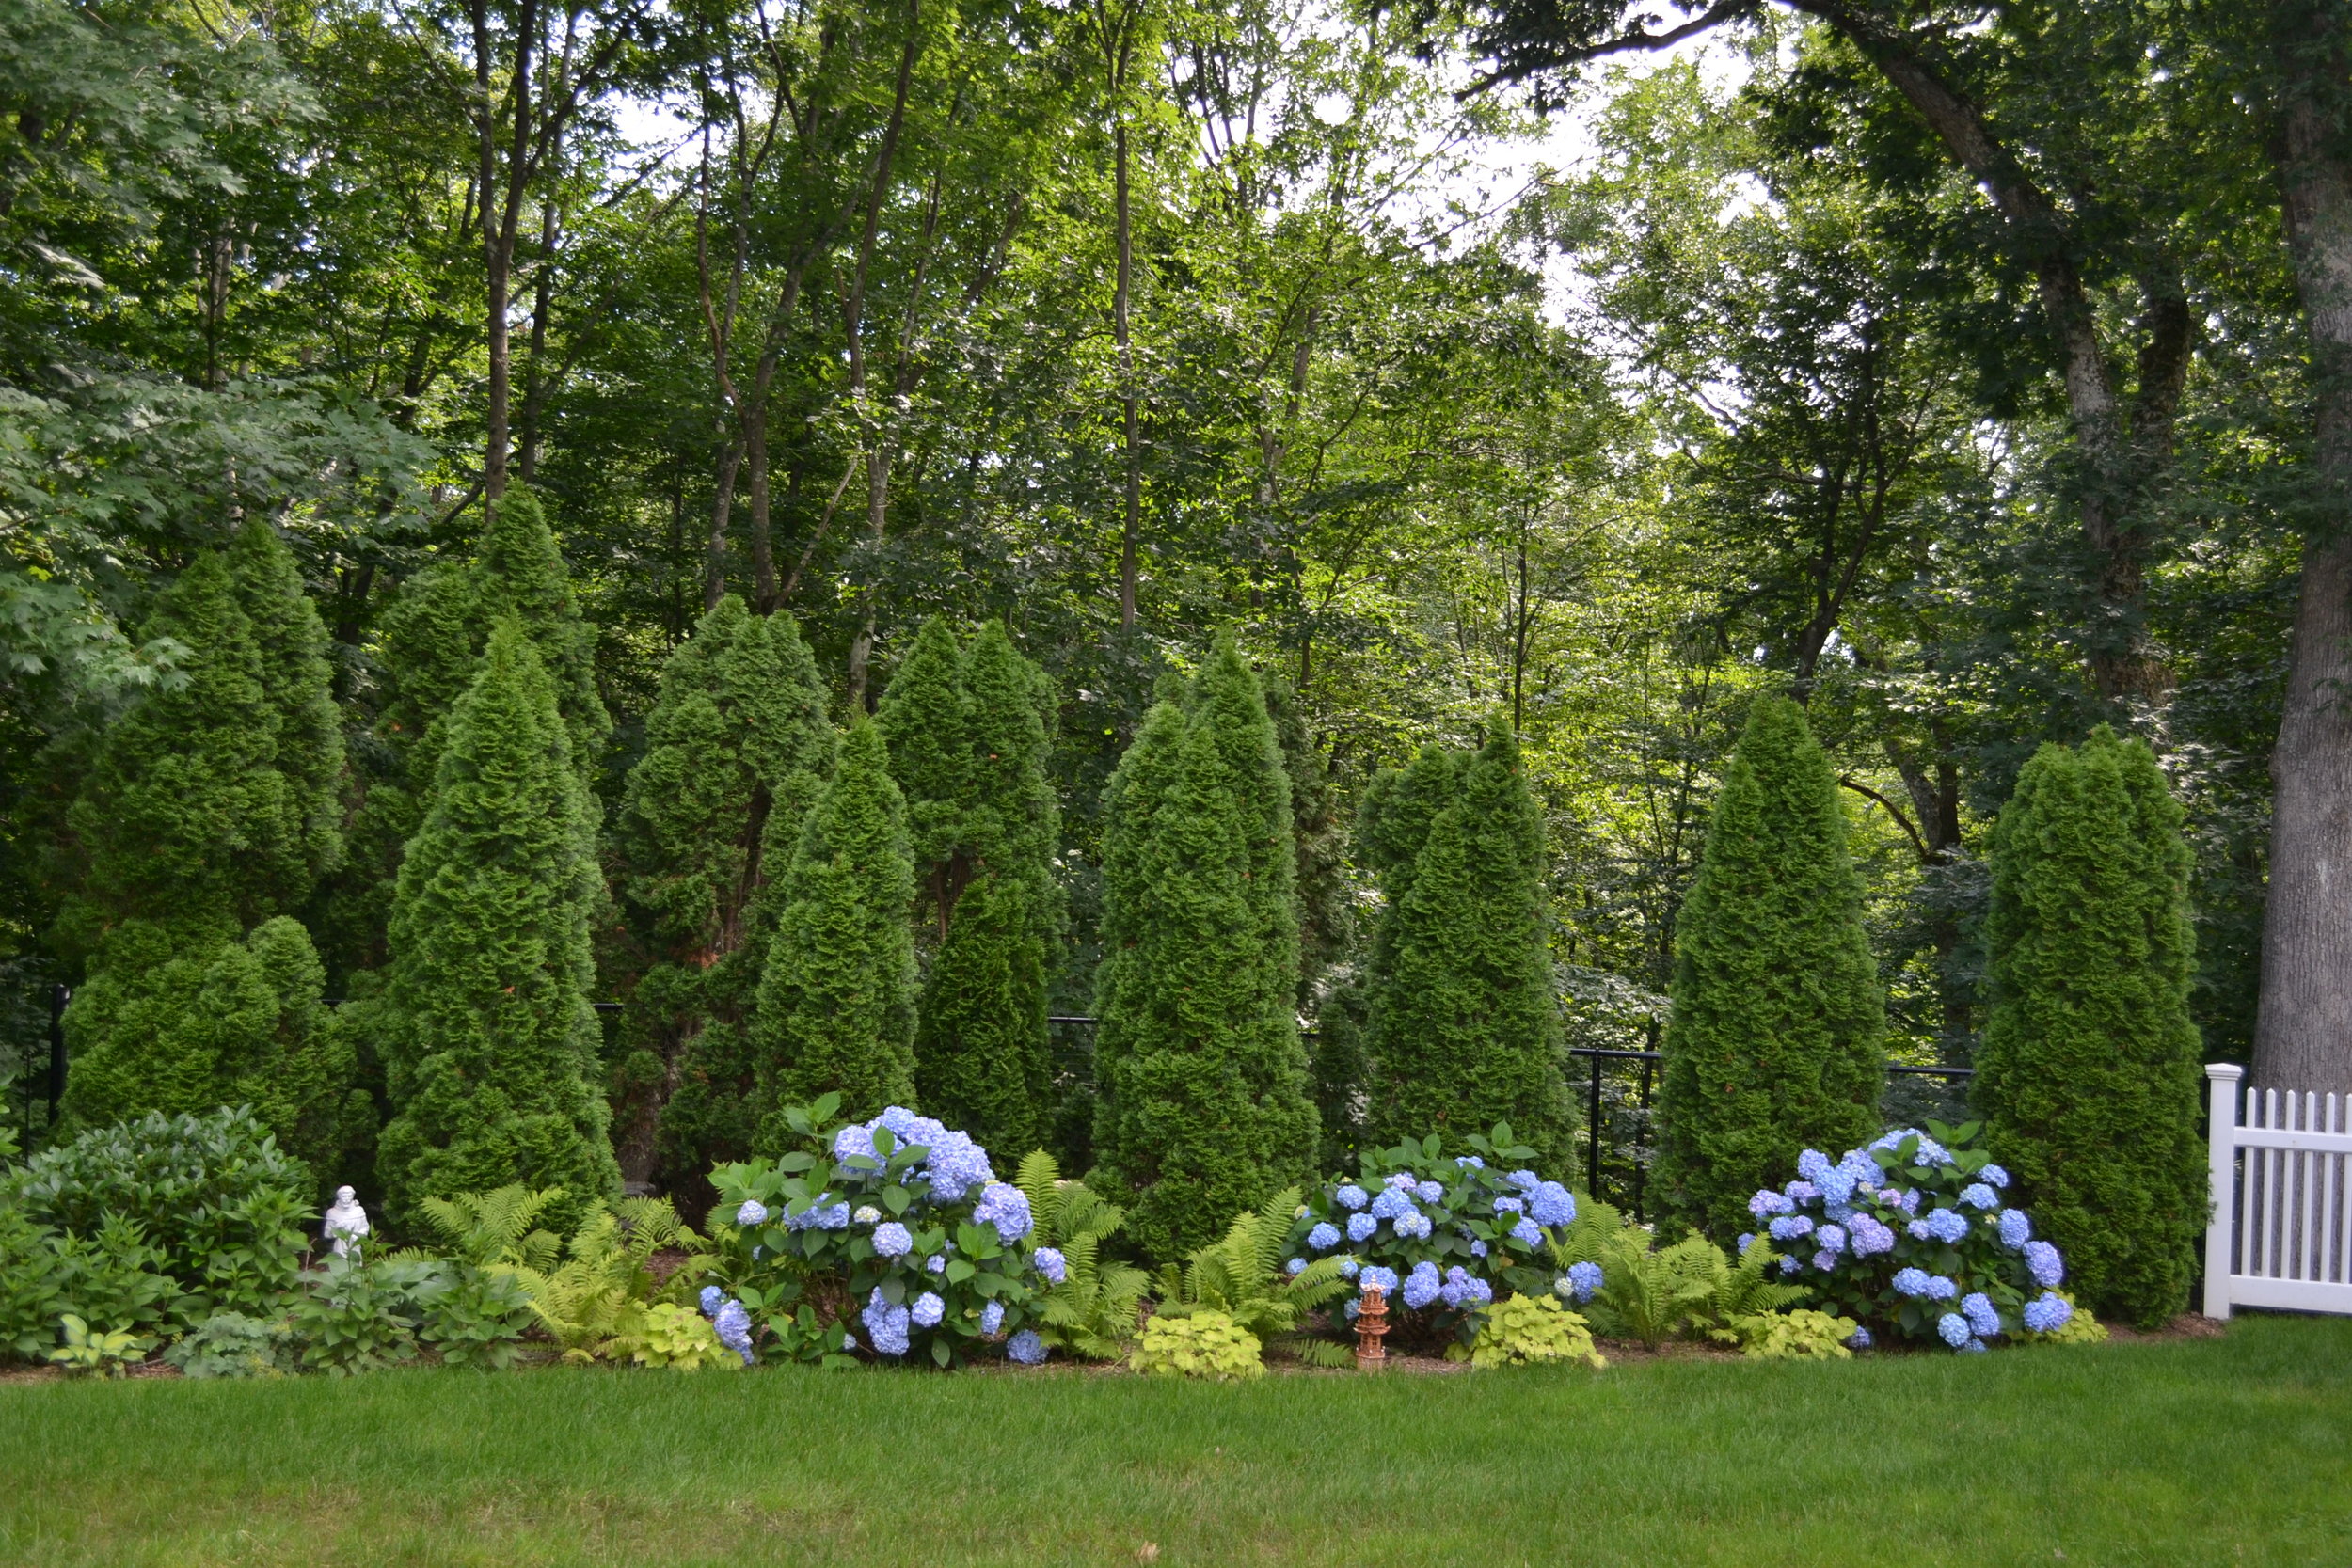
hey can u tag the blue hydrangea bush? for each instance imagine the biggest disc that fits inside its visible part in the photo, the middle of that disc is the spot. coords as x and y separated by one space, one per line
891 1239
1443 1233
1913 1236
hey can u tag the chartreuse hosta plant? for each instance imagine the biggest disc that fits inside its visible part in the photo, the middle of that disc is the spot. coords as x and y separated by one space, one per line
1443 1233
1912 1236
891 1238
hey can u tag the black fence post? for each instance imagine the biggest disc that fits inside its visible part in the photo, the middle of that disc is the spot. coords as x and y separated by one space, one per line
1591 1129
58 997
1641 1128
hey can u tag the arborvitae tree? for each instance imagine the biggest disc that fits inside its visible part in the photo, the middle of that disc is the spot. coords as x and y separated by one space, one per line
1776 1042
427 656
168 1027
736 747
299 685
1202 1082
1464 1021
982 1054
836 1001
488 1040
2088 1075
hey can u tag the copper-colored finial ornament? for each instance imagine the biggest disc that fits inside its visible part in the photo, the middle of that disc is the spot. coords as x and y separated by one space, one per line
1372 1326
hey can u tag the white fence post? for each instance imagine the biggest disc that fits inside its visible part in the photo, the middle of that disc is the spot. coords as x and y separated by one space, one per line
2221 1080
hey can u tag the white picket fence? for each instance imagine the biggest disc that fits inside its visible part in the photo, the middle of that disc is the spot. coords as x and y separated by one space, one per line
2282 1228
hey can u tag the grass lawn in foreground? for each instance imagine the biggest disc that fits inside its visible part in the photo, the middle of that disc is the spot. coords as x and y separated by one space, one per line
2235 1450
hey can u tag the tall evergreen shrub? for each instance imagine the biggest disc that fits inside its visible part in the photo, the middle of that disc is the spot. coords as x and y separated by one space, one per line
2088 1073
967 734
837 1002
1776 1041
1204 1107
488 1040
1465 1024
737 748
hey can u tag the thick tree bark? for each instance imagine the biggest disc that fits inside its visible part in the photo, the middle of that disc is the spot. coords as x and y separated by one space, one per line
2303 1025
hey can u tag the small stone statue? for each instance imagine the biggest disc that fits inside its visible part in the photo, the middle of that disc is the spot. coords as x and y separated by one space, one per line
346 1221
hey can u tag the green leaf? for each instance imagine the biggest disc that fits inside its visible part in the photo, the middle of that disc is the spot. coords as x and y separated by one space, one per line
896 1199
939 1351
958 1270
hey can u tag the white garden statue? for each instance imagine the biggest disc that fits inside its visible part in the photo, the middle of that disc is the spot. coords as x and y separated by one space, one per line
346 1221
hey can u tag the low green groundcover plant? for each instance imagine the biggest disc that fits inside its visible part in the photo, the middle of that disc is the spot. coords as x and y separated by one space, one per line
1206 1343
1911 1236
1523 1331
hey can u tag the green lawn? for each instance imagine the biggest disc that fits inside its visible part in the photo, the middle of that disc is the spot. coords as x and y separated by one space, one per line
2231 1451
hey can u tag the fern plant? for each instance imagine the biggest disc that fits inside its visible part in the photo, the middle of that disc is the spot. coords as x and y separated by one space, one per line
1241 1276
1650 1295
1745 1299
497 1229
1092 1312
599 1293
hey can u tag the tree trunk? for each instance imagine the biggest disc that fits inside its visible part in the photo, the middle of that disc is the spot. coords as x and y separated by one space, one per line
1131 528
2303 1025
721 508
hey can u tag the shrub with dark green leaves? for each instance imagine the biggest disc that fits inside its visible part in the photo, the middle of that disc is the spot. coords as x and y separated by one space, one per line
359 1317
2090 1073
221 1206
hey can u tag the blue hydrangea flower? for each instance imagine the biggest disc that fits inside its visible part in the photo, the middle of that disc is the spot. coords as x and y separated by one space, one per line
1051 1263
991 1317
1423 1285
1350 1196
2047 1313
1351 1309
1478 1249
856 1141
1767 1203
928 1310
1837 1213
1825 1260
1978 1196
1911 1282
1348 1267
1943 1225
1525 1181
1360 1226
1507 1204
2043 1261
936 1262
1953 1329
1786 1228
1835 1186
1941 1289
1788 1265
1802 1192
1858 1164
1392 1202
1858 1340
1974 1347
1829 1239
1324 1237
1981 1314
1551 1204
956 1166
711 1297
2016 1229
1430 1192
753 1212
1995 1175
885 1325
892 1241
1812 1165
1005 1207
734 1327
848 1341
1470 1162
1026 1348
1404 1178
1583 1280
1464 1289
1297 1265
1413 1225
1528 1233
1867 1237
1376 1273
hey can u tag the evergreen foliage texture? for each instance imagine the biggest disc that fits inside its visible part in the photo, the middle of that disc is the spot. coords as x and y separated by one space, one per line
1776 1044
968 731
428 652
1465 1024
2090 1071
738 747
299 684
488 1041
1204 1104
836 1001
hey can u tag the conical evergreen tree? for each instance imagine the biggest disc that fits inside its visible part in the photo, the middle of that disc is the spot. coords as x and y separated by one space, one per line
2089 1074
1776 1042
488 1041
1465 1024
427 654
736 747
974 722
836 1001
1203 1107
299 685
